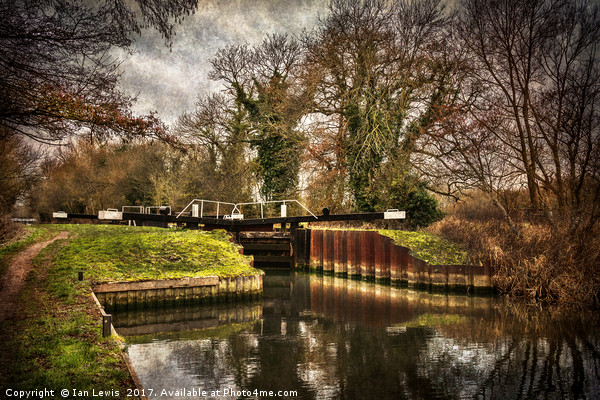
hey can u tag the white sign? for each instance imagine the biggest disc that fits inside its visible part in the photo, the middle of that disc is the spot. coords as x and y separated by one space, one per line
59 214
394 214
111 213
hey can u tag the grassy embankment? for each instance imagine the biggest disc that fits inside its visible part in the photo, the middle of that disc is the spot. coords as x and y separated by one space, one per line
429 247
55 340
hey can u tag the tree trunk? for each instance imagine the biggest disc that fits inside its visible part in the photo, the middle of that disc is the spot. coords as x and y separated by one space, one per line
514 228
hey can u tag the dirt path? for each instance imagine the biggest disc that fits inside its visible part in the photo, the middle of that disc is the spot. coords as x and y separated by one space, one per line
13 281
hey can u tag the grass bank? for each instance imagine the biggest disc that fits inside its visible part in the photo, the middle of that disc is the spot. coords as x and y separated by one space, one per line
430 247
54 341
119 253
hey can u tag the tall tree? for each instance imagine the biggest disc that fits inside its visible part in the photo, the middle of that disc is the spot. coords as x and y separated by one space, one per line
218 159
265 81
379 77
529 108
18 172
57 74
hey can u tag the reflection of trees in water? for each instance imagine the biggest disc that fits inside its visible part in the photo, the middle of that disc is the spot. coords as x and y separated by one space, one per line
522 351
556 354
207 360
543 368
513 351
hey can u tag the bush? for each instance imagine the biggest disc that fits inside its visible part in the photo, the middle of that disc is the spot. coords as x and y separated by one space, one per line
422 209
8 229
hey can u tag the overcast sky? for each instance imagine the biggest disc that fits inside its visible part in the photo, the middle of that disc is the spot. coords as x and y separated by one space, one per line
169 82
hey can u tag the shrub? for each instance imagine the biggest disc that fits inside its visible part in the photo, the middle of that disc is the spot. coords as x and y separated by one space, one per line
422 209
8 229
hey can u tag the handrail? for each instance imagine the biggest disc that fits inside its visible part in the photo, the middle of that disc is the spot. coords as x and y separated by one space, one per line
236 206
140 208
202 205
271 201
148 209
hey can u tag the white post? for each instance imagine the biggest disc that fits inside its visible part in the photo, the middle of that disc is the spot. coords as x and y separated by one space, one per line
195 208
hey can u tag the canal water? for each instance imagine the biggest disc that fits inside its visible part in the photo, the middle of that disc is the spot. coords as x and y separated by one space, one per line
323 337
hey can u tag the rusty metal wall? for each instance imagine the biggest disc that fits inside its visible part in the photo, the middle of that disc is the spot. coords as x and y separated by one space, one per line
369 255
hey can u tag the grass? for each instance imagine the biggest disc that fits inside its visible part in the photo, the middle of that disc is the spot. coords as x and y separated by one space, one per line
117 253
55 341
429 247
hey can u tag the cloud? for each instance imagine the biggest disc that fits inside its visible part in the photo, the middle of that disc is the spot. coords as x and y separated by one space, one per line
169 81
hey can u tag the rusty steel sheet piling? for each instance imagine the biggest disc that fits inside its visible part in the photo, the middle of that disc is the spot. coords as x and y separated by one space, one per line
369 255
353 253
340 265
316 249
328 251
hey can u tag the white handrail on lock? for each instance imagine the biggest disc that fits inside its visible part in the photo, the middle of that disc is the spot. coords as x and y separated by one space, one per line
236 206
218 203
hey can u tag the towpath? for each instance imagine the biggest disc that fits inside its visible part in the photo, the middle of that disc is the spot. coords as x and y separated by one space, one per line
13 280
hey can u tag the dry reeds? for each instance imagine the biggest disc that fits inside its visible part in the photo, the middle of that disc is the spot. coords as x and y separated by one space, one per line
543 264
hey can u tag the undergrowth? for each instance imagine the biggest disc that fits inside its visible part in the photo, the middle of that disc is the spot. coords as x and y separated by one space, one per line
542 264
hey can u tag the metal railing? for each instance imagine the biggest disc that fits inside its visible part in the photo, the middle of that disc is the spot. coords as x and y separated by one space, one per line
236 207
24 220
147 209
201 203
263 203
139 209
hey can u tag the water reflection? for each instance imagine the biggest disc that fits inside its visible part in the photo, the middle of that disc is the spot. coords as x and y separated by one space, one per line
326 337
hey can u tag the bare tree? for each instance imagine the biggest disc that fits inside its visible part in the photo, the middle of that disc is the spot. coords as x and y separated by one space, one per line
57 74
265 80
378 77
528 114
219 161
18 172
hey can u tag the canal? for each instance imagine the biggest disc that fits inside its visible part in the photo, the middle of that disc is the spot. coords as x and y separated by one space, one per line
323 337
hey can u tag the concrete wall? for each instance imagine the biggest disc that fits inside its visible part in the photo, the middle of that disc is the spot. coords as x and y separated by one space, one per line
369 255
185 291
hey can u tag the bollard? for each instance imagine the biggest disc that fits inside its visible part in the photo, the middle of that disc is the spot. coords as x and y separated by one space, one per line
80 275
106 325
